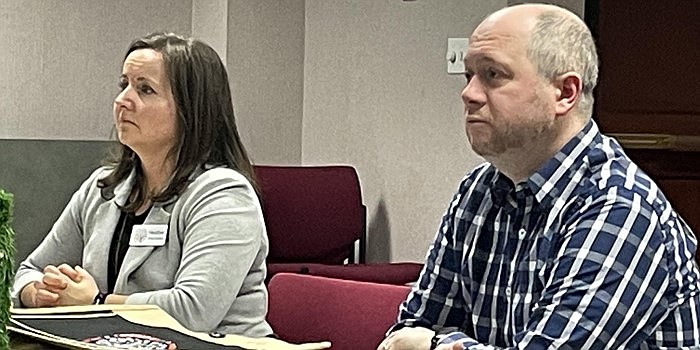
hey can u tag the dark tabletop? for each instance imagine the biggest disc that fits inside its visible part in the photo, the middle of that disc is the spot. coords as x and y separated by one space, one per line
23 342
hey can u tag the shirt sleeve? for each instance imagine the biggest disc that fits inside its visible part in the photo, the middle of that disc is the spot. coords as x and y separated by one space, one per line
609 282
63 244
436 302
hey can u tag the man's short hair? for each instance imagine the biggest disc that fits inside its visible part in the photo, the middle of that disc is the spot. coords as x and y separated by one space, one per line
561 43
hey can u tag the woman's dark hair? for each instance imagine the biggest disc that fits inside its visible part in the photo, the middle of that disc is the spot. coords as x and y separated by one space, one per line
207 132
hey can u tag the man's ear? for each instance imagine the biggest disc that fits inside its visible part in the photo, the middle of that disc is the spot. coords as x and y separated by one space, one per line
568 88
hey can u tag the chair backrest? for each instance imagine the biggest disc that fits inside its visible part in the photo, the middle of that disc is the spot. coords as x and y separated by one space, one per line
387 273
351 315
313 214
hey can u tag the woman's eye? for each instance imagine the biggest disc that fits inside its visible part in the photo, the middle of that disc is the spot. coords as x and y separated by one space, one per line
145 89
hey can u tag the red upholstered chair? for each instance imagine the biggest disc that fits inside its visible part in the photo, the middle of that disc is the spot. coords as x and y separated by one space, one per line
313 214
352 315
315 221
387 273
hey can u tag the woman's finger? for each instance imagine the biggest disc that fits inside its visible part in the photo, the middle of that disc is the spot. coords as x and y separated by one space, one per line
72 273
46 298
55 281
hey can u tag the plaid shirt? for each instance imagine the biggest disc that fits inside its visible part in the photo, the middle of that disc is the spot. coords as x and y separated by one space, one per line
587 253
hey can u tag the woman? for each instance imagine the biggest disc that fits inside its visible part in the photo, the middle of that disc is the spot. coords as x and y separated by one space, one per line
174 220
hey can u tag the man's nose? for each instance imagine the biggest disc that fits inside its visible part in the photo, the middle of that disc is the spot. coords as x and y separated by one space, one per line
473 94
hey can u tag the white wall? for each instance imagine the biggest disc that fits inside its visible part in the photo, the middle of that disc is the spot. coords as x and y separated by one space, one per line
361 82
60 61
575 6
265 60
377 95
210 24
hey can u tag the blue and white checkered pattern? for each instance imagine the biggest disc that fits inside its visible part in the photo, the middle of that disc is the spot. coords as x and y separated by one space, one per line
585 254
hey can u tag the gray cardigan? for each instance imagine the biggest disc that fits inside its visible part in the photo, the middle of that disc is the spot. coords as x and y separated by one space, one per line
209 274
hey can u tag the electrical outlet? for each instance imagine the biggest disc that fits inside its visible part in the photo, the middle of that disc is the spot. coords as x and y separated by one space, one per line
456 48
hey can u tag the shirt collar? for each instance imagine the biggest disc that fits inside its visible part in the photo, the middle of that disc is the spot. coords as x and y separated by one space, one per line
121 192
500 187
549 181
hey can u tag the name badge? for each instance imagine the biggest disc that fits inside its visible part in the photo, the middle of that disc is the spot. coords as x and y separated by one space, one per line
148 235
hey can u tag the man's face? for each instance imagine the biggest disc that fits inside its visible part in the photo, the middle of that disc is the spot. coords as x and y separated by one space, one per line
507 105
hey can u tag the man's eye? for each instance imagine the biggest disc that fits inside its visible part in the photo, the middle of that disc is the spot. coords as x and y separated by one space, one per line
492 73
468 76
122 85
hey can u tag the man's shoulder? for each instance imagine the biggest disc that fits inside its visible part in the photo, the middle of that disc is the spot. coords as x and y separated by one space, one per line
617 174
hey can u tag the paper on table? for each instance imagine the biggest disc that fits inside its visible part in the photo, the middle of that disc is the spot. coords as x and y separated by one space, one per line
153 316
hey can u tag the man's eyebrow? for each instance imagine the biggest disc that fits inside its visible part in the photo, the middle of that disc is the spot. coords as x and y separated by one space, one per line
479 59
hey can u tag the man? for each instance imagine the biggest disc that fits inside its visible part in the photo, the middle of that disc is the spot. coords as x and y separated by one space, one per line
559 241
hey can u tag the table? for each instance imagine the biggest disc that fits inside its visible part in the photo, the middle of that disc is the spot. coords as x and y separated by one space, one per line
146 315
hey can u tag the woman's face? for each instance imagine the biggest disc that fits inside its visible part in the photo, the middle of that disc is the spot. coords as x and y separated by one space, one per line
144 111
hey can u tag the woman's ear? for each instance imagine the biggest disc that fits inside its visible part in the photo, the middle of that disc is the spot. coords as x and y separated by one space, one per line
569 86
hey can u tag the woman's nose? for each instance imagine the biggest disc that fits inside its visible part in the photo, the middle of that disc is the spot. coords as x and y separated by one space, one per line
124 98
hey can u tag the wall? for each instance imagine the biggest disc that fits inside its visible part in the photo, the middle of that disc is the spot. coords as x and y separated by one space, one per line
42 175
59 68
575 6
210 24
61 59
262 44
266 66
368 77
377 95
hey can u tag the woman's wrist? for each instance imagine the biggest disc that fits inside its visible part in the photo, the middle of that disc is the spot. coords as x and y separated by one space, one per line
115 299
27 295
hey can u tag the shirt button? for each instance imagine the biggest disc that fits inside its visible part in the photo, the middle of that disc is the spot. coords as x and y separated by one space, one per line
522 233
508 291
